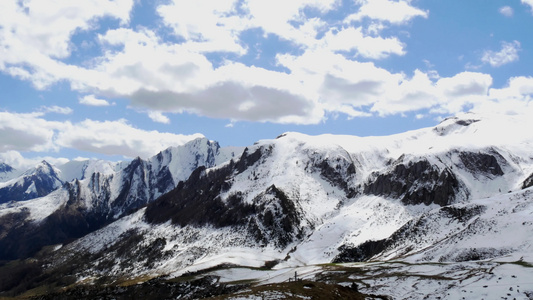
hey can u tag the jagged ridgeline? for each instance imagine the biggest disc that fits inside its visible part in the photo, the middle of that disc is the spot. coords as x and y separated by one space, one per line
67 210
457 192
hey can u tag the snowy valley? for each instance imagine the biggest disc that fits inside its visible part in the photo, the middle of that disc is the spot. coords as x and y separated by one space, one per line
443 212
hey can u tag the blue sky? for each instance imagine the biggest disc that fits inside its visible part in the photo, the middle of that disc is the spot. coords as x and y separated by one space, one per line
125 78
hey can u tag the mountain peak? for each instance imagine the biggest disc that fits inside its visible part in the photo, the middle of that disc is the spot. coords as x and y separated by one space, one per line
46 168
5 168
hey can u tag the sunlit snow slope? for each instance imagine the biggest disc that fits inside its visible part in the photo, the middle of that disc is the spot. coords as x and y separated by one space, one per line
457 192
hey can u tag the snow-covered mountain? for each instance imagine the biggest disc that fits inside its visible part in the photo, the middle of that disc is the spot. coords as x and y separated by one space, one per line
36 182
455 193
96 199
81 169
6 172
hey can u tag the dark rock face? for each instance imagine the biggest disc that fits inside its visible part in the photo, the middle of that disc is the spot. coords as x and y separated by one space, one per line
528 182
462 214
249 159
415 183
270 217
451 124
482 163
64 225
338 171
196 202
363 252
466 122
278 215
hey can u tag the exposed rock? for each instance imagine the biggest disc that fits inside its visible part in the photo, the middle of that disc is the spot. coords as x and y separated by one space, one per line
415 183
528 182
482 163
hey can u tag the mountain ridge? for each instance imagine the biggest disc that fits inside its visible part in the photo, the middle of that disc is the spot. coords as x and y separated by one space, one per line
439 195
83 205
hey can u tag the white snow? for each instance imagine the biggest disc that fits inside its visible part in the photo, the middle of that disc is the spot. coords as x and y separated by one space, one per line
39 208
498 234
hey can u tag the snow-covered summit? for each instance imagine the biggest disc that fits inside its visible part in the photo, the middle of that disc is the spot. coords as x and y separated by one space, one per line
453 192
6 172
89 194
33 183
81 169
301 199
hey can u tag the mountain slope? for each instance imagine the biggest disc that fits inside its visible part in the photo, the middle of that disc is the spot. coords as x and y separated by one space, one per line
460 191
82 206
36 182
305 200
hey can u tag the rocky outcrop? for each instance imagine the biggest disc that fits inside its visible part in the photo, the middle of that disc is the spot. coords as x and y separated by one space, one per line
415 182
528 182
100 199
270 218
482 163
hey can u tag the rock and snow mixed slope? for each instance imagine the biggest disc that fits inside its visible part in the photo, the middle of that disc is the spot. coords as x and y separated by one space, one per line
449 193
35 182
98 193
458 192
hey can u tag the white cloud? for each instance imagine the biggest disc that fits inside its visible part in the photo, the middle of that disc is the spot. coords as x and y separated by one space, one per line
26 132
158 117
118 138
528 2
506 11
354 88
35 30
465 84
463 90
508 54
32 132
19 162
366 46
518 88
176 77
395 12
206 25
57 109
160 76
91 100
286 19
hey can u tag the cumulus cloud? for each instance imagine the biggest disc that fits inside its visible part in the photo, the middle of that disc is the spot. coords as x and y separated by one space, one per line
158 117
57 109
91 100
26 132
508 54
206 25
529 3
395 12
506 11
324 74
118 138
367 46
160 76
16 160
34 133
355 88
35 32
517 88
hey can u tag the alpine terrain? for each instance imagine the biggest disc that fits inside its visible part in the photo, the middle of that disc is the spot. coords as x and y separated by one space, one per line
437 213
